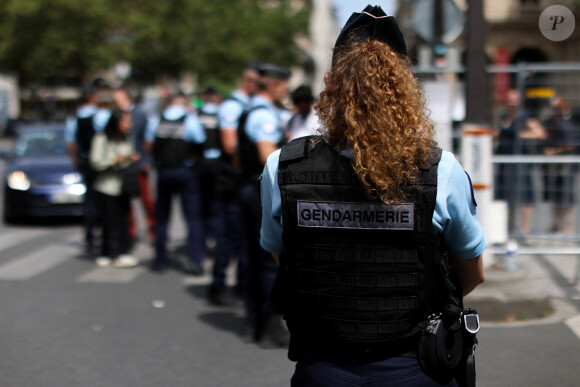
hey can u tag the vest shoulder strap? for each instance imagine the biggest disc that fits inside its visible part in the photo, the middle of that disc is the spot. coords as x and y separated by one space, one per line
295 149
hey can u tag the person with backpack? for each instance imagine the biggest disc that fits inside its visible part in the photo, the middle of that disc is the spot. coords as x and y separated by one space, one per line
91 117
259 134
233 244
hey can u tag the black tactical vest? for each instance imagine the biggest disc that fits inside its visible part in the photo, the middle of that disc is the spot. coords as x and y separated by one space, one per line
84 136
249 157
210 124
361 274
170 149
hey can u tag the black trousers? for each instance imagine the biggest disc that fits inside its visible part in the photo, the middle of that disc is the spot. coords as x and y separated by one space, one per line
115 215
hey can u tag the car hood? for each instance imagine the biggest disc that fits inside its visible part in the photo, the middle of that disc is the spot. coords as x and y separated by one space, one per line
42 166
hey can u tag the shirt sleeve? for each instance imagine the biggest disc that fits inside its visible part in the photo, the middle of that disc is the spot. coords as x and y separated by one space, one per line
271 232
455 215
193 129
152 124
263 126
70 130
229 114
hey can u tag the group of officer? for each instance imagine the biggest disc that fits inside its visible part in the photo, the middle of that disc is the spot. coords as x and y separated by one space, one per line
212 157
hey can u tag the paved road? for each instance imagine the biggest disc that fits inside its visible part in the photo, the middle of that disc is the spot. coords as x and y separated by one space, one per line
65 322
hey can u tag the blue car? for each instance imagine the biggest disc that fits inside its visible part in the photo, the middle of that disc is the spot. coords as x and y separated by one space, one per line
40 179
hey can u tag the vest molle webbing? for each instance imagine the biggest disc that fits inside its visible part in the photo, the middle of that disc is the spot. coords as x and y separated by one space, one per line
361 272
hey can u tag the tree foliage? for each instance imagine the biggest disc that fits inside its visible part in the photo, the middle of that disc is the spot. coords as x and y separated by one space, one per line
213 39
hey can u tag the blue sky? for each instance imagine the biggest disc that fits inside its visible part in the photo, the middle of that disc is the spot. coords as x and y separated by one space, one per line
344 8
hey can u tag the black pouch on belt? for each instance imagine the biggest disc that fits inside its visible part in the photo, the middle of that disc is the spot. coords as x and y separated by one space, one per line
441 345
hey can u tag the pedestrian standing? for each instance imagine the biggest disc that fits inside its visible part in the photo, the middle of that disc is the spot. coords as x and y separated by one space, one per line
174 141
366 219
111 156
518 132
560 179
124 101
259 134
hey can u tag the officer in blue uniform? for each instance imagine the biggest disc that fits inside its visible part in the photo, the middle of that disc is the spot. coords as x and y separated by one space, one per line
367 222
233 244
91 117
219 196
259 134
174 141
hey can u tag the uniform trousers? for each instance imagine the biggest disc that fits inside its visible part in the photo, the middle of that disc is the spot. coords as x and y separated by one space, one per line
262 269
225 219
185 182
321 369
222 217
91 216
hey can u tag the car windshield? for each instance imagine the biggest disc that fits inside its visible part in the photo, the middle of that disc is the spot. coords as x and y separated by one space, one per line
47 142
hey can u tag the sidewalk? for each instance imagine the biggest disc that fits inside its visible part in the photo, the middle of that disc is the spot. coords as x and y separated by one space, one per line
547 282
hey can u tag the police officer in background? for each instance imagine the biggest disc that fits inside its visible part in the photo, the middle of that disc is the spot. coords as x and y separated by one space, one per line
259 134
207 114
367 221
174 140
230 111
232 108
219 197
91 117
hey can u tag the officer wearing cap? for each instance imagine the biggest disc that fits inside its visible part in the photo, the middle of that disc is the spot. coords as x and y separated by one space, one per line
259 134
368 221
174 140
229 114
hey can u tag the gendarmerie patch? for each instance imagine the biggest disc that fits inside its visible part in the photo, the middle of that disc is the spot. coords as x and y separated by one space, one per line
376 216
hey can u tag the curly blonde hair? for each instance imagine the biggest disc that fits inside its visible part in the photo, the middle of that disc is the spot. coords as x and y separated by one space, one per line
373 104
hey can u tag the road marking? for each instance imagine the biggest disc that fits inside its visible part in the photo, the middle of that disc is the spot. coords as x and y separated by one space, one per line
11 239
574 324
39 261
111 275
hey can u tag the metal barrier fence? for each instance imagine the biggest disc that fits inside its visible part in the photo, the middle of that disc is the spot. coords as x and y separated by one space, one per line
542 195
542 190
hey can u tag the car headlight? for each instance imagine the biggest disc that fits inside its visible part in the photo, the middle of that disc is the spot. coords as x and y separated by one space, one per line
72 178
18 180
77 189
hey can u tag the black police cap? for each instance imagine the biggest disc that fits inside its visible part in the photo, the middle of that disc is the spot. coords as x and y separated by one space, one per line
274 71
373 23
